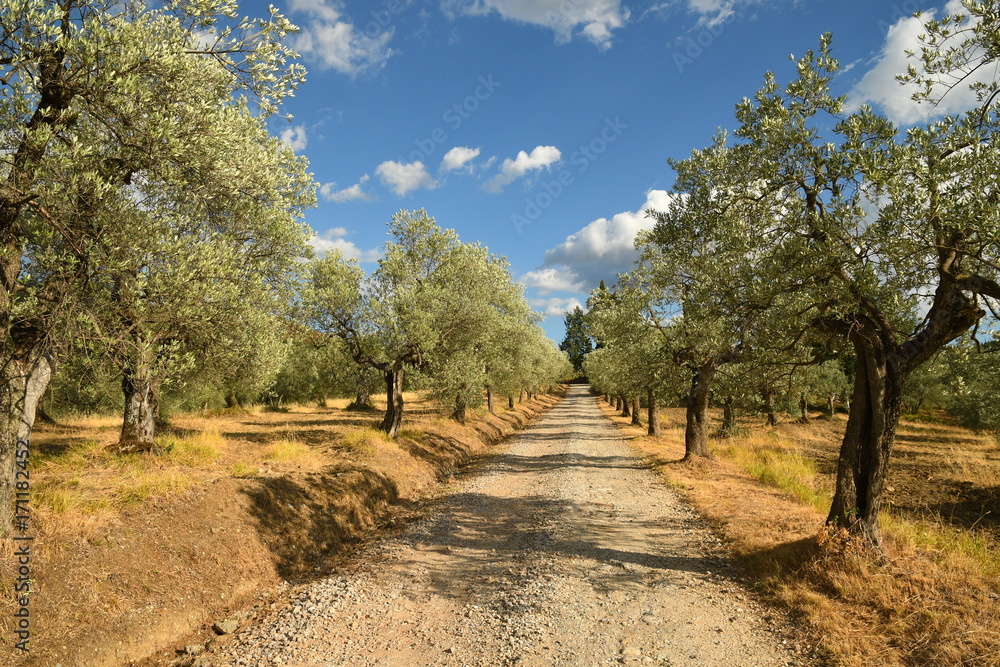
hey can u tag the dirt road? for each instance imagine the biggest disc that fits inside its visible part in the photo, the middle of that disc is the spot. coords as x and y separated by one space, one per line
561 550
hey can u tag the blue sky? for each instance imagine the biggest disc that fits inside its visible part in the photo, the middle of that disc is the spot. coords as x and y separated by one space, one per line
542 129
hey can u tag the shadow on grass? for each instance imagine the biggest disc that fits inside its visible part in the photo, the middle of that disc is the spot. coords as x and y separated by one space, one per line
310 520
781 561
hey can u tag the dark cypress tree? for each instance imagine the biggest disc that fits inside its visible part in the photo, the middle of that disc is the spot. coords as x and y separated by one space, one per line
577 342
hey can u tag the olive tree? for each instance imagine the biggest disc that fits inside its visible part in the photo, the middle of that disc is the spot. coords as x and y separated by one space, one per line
431 305
883 238
95 96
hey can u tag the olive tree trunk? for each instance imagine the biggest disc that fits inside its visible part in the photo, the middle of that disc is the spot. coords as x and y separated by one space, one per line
635 411
461 405
696 430
767 394
141 405
393 418
868 439
728 416
876 402
652 414
362 397
22 384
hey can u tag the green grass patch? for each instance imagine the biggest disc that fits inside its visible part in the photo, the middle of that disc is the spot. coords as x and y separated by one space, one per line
946 542
243 470
777 466
195 450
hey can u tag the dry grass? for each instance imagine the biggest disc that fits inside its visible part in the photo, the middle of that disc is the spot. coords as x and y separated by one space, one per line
933 597
776 461
231 503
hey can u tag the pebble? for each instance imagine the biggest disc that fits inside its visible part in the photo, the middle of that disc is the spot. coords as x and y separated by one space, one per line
521 565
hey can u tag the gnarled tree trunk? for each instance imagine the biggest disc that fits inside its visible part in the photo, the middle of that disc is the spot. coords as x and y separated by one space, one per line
141 405
624 406
803 409
22 383
489 400
696 430
868 438
635 411
393 402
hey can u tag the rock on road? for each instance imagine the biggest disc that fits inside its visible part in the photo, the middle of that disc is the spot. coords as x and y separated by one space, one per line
563 549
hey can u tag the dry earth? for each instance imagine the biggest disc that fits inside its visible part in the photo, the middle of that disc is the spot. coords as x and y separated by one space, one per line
561 550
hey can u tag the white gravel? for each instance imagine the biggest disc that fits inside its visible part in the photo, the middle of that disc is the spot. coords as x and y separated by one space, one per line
561 550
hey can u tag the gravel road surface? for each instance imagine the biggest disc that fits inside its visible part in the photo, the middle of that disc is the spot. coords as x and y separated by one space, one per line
561 550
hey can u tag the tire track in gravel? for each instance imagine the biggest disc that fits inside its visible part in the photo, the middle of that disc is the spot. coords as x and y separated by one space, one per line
561 550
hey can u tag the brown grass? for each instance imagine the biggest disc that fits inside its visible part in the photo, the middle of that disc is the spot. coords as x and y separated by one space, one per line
132 552
933 598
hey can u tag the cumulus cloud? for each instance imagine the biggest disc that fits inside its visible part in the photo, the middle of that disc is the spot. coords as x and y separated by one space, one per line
879 86
332 41
595 20
555 306
403 178
548 279
458 157
541 157
295 138
355 192
599 251
333 239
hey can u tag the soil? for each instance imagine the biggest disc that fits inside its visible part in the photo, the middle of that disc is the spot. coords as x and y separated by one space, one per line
114 588
563 549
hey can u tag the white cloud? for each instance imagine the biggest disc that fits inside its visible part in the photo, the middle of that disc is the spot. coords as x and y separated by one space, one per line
336 43
354 193
594 19
554 279
403 178
597 252
458 157
879 85
555 306
713 12
295 137
541 157
333 239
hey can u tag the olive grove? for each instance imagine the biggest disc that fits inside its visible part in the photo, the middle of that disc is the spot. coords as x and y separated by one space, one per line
108 108
819 226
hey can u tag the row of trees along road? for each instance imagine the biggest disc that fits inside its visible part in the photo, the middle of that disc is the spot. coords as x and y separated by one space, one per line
136 171
151 231
445 309
818 229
